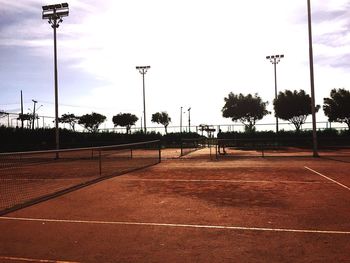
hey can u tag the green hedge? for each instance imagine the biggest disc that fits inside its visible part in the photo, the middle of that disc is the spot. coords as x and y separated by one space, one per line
326 137
16 139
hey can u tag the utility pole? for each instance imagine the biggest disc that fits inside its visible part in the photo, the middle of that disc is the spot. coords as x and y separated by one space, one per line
312 83
275 59
181 119
35 102
189 119
54 14
143 70
141 124
22 121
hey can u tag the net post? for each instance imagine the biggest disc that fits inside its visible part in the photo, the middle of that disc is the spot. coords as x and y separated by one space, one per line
131 153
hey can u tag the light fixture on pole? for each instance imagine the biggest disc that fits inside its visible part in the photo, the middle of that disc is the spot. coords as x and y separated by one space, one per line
312 83
54 14
143 70
275 59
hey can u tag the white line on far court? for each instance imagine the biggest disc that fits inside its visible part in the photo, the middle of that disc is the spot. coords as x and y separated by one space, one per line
35 260
217 181
311 231
326 177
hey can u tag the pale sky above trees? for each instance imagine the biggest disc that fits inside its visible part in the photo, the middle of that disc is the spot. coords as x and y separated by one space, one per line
198 50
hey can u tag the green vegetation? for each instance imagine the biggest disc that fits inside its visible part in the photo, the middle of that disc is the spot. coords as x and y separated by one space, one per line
92 121
125 120
69 118
293 106
337 107
162 118
17 139
303 138
246 108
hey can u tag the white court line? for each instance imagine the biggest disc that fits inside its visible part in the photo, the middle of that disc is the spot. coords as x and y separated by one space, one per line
313 231
35 260
330 179
43 179
217 181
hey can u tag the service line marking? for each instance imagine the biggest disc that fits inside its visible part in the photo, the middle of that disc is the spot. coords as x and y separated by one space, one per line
328 178
218 181
313 231
35 260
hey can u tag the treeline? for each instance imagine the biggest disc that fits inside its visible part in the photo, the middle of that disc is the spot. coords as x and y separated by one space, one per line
16 139
293 106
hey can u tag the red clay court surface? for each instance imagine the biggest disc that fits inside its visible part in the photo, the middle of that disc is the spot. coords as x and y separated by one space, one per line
193 210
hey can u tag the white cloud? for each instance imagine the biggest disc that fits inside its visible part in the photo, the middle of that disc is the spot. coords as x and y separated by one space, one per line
199 51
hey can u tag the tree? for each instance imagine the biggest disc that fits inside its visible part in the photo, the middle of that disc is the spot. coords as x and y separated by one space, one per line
293 106
337 107
69 118
125 120
25 117
92 121
247 109
162 118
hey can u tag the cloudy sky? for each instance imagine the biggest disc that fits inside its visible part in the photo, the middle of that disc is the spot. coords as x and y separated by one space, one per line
198 50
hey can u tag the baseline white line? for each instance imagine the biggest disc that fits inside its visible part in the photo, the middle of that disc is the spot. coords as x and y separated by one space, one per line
217 181
36 260
328 178
41 179
314 231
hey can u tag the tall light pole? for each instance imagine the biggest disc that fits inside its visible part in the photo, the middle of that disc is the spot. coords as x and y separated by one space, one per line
181 119
275 59
189 119
35 102
312 83
143 70
22 110
54 14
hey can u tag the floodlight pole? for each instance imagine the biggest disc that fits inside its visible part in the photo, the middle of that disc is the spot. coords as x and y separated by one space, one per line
312 83
54 14
275 59
22 110
143 71
189 119
181 119
35 102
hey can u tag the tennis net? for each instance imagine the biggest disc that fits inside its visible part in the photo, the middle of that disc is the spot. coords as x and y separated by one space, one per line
30 177
191 145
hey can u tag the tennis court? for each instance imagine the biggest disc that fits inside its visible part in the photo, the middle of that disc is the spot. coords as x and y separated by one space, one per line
193 209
